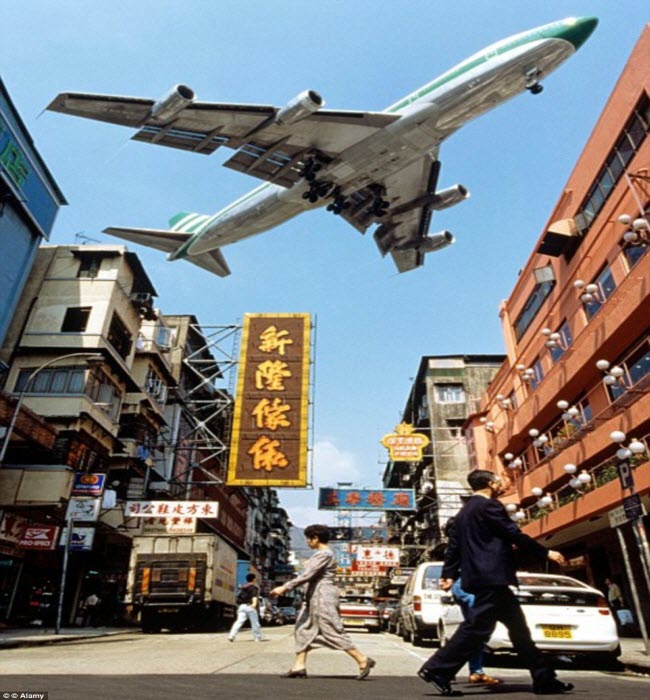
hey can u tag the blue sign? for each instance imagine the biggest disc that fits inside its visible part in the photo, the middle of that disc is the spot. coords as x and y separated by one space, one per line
88 484
21 174
366 499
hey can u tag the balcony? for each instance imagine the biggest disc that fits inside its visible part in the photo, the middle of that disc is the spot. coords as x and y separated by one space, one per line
35 486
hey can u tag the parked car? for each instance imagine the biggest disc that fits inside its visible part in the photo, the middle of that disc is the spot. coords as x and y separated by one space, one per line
421 603
359 612
386 608
564 616
394 625
270 614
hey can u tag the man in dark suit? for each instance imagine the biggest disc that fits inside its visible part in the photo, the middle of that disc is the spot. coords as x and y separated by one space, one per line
480 549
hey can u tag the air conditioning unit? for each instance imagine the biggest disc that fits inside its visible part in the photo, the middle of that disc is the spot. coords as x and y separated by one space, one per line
141 298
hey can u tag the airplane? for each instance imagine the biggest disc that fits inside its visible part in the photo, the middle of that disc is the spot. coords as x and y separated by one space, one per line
370 168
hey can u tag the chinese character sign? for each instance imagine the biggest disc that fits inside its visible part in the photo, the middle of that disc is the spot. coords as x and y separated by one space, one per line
174 510
269 436
405 445
366 499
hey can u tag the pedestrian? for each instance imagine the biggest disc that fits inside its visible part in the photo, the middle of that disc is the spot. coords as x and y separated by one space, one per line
247 606
91 609
480 549
477 674
614 595
319 621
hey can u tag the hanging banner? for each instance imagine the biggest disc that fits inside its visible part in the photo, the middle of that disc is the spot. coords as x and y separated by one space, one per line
171 509
169 526
366 499
405 445
269 434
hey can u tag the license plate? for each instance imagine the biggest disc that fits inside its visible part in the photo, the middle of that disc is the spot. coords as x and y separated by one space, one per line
168 610
353 622
557 632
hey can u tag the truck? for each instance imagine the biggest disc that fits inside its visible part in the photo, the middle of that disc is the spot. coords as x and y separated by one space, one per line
182 582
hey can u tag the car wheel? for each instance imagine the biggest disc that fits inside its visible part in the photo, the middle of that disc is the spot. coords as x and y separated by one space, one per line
416 639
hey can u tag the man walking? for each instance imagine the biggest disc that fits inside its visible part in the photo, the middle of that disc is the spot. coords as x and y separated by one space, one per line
481 549
248 604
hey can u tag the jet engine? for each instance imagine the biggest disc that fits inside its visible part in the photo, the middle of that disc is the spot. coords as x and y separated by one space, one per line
302 106
172 104
448 197
436 241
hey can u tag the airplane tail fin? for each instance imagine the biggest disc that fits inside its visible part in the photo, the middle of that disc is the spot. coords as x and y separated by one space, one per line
187 222
169 241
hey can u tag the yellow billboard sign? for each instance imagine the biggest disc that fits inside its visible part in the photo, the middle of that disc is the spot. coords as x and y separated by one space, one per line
405 445
268 446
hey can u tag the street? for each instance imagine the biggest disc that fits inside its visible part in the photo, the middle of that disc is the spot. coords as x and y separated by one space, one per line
198 666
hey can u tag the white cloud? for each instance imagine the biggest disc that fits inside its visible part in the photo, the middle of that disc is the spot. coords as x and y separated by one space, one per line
331 465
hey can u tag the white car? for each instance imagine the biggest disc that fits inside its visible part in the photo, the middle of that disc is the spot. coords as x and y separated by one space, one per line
564 615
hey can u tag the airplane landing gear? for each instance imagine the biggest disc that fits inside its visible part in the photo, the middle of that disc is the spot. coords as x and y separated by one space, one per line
310 168
317 190
532 81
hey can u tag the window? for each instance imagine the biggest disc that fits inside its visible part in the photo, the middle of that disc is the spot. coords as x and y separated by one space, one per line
564 341
59 380
512 397
75 319
423 408
89 264
628 143
538 374
634 253
155 387
119 336
104 394
636 367
532 306
455 427
450 393
606 285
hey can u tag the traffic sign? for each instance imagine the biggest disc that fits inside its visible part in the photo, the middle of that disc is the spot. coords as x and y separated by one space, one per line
624 469
631 509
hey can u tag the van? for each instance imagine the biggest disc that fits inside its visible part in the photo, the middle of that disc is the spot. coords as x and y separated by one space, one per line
421 603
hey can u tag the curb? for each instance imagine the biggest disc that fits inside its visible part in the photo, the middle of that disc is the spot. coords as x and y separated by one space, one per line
51 639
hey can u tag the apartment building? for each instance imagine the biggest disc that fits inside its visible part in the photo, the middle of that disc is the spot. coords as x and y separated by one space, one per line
445 391
569 411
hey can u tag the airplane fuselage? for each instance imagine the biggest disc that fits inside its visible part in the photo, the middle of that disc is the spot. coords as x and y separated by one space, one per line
427 117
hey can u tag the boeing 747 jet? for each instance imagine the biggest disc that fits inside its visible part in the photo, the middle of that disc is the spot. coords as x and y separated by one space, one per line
371 168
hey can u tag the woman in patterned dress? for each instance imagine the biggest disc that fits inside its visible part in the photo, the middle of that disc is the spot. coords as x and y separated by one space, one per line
319 622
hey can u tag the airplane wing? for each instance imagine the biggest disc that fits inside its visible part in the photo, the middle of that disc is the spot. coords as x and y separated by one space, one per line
265 149
405 225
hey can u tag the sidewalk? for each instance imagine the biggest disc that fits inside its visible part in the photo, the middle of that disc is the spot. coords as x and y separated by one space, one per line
633 655
39 636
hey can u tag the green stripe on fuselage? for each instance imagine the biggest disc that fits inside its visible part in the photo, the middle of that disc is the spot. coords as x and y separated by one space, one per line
549 31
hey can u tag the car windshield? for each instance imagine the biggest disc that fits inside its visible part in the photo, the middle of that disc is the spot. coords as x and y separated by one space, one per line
582 598
356 599
431 580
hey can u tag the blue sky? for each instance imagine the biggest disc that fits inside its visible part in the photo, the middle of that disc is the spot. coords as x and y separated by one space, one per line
372 324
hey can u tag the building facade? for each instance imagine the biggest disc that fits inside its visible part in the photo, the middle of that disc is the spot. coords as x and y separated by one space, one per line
446 390
572 397
29 202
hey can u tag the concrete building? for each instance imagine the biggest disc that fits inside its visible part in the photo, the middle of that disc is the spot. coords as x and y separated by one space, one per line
73 361
445 391
101 383
29 202
577 373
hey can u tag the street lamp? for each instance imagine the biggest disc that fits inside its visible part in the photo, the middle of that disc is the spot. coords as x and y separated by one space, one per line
10 428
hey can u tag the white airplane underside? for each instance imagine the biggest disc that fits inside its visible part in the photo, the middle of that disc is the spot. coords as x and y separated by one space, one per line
371 168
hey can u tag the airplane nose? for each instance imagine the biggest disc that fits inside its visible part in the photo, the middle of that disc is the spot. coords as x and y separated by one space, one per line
578 30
